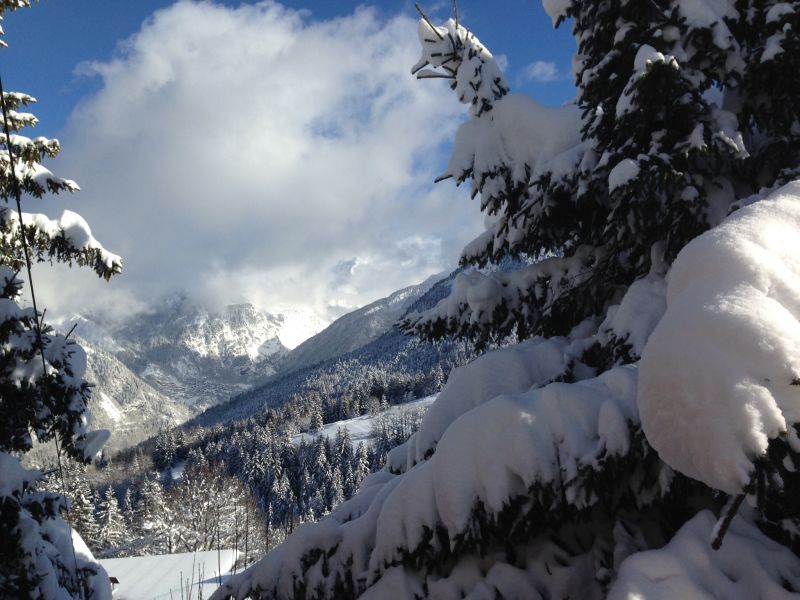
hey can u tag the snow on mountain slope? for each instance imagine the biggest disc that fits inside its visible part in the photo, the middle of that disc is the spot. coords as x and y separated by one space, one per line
124 403
391 352
189 353
357 328
298 325
360 428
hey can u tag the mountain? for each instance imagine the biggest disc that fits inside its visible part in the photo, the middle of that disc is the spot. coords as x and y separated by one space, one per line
124 403
357 328
392 363
188 353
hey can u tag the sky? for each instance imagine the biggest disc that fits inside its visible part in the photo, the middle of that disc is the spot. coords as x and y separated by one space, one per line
276 153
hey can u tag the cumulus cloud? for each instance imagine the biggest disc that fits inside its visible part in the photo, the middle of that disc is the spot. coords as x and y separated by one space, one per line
541 71
252 153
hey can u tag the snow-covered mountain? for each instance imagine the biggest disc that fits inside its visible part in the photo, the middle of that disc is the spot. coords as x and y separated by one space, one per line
125 404
357 328
388 353
180 352
186 352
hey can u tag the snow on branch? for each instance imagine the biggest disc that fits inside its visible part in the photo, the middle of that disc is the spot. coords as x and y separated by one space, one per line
507 302
68 239
531 456
749 565
476 77
533 362
717 373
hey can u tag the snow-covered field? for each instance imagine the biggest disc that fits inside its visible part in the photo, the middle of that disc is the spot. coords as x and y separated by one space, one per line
360 428
169 576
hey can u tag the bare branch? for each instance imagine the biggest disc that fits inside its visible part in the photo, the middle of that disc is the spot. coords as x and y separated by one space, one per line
428 74
428 21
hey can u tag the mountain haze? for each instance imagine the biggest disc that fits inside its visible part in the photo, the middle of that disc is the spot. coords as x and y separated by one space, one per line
356 328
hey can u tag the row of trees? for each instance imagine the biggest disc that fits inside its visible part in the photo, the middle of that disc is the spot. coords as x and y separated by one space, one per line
246 486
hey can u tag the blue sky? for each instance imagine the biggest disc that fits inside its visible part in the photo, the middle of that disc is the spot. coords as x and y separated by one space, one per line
275 153
49 42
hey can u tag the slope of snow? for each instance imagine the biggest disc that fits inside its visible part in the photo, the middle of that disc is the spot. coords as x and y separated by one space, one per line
360 428
189 353
169 576
298 325
720 372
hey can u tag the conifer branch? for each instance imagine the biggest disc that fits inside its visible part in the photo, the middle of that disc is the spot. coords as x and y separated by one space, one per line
428 21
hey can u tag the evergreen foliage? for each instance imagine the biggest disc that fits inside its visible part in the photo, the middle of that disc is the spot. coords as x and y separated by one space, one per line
42 391
112 529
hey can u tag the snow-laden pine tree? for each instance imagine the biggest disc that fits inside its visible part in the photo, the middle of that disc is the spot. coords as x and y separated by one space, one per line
43 395
651 405
112 528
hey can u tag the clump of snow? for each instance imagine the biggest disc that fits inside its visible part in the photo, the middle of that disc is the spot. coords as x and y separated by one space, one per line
646 57
14 478
507 371
710 14
71 226
719 373
93 443
749 565
625 171
97 581
517 128
498 450
641 308
556 9
478 79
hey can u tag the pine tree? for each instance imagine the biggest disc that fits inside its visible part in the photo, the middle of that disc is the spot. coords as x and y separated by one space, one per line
157 517
42 391
636 415
361 465
111 523
129 512
82 513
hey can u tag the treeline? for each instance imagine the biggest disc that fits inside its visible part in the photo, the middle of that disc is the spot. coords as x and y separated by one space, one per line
394 367
243 486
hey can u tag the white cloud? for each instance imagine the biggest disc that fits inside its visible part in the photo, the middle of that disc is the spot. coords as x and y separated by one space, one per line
502 61
250 153
541 71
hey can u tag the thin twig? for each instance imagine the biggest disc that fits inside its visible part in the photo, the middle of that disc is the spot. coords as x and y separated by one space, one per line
433 75
416 68
69 333
455 10
428 21
726 521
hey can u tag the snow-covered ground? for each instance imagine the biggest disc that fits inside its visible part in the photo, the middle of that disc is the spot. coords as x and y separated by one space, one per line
169 576
360 428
